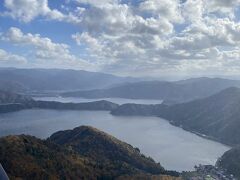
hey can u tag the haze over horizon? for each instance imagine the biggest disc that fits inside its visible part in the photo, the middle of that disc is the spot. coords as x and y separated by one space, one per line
147 38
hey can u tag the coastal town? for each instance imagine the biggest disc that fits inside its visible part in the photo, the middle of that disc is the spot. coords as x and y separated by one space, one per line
208 172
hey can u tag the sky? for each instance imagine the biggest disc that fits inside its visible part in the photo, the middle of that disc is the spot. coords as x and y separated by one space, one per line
124 37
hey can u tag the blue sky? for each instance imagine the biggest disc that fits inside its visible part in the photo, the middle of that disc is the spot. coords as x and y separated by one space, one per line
58 31
124 37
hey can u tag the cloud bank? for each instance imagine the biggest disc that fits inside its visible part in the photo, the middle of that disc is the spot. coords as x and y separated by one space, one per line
130 37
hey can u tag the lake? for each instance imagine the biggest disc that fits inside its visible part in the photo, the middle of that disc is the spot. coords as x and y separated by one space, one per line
175 148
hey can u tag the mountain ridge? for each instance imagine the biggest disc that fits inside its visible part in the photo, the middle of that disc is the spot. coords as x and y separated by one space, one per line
95 144
174 92
216 116
28 157
10 102
230 161
28 80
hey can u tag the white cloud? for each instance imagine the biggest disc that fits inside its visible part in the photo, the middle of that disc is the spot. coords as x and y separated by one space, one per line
193 10
210 33
97 2
45 51
16 36
27 10
166 9
114 33
86 39
226 7
131 38
9 58
148 36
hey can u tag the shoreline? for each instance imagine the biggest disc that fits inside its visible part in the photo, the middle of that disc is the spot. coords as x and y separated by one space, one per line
200 134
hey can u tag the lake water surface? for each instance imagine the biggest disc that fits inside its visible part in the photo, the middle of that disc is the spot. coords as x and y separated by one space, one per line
175 148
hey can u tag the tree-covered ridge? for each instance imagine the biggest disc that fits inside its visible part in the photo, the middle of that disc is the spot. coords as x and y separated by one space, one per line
10 102
231 161
82 153
107 150
26 157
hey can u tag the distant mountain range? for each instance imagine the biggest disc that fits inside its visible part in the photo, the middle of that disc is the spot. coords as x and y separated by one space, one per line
170 92
22 80
79 83
81 153
217 116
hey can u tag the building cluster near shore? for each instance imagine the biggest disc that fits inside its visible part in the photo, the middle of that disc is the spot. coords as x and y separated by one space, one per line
209 172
